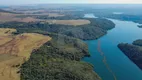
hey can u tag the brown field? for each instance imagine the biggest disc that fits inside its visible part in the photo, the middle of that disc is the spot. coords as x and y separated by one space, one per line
55 15
42 12
6 31
7 17
5 35
48 14
69 22
14 50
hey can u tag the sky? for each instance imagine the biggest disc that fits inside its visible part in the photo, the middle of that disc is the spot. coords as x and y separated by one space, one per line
18 2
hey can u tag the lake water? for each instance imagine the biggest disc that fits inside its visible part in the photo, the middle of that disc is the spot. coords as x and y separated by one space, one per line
116 63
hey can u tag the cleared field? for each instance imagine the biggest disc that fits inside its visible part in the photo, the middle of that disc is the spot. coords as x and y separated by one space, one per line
22 45
6 31
5 35
42 12
55 15
69 22
16 50
48 14
7 17
8 69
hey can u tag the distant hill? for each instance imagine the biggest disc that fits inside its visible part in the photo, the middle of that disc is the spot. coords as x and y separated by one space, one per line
4 7
1 10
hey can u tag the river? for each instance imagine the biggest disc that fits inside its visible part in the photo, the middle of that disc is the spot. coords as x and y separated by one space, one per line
109 61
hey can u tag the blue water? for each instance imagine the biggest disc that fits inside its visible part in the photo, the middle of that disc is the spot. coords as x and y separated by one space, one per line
121 65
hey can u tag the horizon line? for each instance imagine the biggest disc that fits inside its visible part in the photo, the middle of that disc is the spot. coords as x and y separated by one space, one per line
71 4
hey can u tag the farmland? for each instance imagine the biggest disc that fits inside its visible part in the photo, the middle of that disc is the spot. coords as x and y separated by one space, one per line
69 22
8 17
15 50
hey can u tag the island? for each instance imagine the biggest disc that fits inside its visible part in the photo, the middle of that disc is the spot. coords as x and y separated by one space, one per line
133 51
140 26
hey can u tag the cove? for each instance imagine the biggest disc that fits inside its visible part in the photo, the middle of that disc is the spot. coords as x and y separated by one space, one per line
108 60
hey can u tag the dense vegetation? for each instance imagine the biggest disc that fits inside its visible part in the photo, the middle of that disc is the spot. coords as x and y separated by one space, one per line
59 60
134 52
96 29
138 42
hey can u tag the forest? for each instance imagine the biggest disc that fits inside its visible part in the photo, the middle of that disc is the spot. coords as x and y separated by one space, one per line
59 61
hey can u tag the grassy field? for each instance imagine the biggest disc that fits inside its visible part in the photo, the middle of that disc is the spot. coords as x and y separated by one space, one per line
69 22
6 31
5 35
14 50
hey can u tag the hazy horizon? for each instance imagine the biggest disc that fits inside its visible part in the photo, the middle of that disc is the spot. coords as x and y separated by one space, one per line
25 2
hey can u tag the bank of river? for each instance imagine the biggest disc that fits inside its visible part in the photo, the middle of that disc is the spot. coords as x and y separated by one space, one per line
111 63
